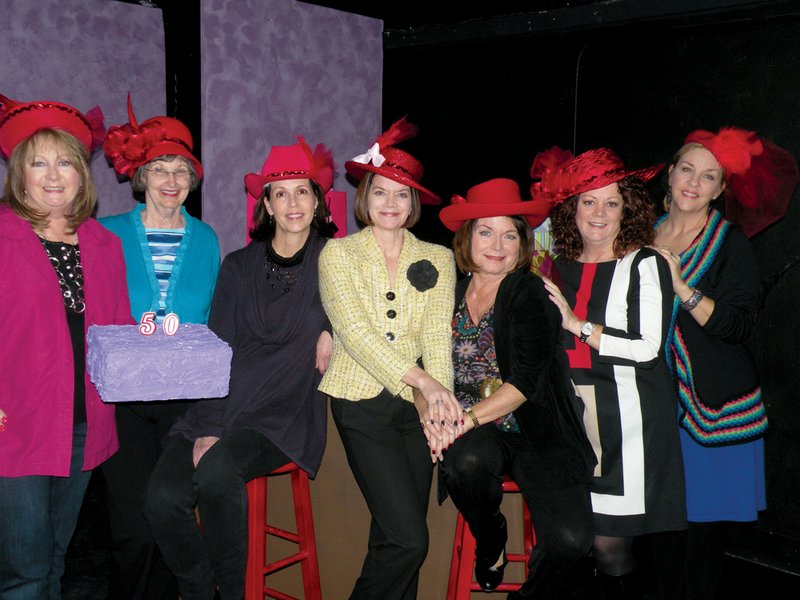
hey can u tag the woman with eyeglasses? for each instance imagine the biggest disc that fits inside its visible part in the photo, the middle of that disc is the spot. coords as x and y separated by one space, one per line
172 261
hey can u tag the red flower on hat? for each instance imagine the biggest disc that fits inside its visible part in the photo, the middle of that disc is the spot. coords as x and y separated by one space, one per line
734 148
127 145
547 167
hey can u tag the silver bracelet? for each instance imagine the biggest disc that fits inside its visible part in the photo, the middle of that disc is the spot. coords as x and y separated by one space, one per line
693 300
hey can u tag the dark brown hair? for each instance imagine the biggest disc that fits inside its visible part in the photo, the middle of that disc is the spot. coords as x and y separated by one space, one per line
264 228
462 244
636 228
362 202
14 186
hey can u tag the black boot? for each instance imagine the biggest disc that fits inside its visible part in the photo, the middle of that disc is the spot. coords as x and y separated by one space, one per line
487 554
619 587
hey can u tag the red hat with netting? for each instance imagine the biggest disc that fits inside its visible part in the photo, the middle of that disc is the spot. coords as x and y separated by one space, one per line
760 177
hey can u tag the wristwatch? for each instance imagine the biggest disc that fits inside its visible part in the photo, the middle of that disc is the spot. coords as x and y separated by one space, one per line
586 330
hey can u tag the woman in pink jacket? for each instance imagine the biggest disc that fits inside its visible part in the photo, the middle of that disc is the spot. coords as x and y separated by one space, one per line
61 273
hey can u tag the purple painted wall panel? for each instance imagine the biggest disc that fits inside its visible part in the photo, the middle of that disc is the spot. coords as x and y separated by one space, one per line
273 69
86 53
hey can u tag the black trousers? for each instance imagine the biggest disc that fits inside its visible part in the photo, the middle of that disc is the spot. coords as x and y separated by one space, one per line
390 460
137 570
217 554
473 471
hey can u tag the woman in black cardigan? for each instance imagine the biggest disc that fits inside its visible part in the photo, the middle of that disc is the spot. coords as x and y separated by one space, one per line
511 377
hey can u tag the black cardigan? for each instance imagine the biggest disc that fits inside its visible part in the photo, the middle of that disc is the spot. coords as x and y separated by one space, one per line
531 357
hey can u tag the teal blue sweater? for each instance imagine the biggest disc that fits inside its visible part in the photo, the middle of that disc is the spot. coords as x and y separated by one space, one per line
194 274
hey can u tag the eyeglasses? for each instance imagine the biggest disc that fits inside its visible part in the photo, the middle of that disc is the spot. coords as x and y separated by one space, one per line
181 173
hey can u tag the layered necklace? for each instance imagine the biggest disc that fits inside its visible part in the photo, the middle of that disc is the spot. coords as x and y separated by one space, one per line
66 260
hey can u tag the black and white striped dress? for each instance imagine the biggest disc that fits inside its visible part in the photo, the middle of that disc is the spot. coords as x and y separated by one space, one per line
629 404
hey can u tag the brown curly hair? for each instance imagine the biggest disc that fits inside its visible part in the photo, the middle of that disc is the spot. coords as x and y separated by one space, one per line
636 228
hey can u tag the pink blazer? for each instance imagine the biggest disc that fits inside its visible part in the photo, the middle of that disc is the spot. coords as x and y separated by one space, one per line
36 384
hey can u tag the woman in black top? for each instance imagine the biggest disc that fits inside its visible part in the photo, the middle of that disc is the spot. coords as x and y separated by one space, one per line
511 377
267 307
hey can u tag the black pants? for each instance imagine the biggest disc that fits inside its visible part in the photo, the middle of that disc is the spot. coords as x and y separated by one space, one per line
473 473
137 570
390 460
217 554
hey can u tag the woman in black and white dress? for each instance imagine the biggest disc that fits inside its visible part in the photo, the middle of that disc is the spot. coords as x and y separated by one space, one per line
615 299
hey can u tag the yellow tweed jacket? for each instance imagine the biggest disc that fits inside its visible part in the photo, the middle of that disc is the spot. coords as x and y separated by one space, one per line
380 329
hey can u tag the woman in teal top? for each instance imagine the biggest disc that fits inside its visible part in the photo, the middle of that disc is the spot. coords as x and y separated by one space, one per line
172 261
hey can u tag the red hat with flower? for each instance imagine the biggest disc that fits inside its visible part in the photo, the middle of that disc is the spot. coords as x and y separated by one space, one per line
494 198
562 176
297 161
760 177
132 145
20 120
384 159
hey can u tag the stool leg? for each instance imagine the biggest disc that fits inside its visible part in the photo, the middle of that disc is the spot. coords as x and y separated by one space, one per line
452 581
528 536
466 562
304 518
256 538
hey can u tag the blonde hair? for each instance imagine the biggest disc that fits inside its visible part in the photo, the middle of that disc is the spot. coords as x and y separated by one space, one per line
84 202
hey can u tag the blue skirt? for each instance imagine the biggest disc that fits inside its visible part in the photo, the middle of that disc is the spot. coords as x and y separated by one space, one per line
724 483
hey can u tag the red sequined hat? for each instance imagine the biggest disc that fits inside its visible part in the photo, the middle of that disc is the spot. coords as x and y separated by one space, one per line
20 120
562 176
132 145
760 177
494 198
293 162
384 159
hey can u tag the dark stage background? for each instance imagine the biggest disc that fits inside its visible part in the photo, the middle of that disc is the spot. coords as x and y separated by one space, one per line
486 107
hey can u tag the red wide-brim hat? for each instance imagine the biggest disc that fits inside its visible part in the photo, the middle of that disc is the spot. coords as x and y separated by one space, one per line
133 145
396 165
20 120
562 176
293 162
494 198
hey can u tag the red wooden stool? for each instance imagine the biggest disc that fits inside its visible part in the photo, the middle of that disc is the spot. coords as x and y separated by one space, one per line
463 561
259 530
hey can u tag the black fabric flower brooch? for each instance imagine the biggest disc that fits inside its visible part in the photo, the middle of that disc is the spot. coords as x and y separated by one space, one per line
422 275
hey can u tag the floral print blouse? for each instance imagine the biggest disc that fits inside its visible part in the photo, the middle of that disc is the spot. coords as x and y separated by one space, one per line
475 360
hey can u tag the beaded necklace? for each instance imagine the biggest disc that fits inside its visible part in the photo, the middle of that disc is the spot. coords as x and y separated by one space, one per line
66 260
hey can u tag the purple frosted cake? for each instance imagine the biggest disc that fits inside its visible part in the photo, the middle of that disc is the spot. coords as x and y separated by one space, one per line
127 366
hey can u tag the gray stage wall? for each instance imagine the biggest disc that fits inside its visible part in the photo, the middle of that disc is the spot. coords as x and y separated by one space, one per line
85 53
272 69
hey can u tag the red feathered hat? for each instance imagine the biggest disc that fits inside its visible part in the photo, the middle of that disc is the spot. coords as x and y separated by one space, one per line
132 145
494 198
563 176
293 162
20 120
760 177
384 159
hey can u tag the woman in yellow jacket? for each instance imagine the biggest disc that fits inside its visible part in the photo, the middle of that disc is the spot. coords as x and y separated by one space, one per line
389 297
